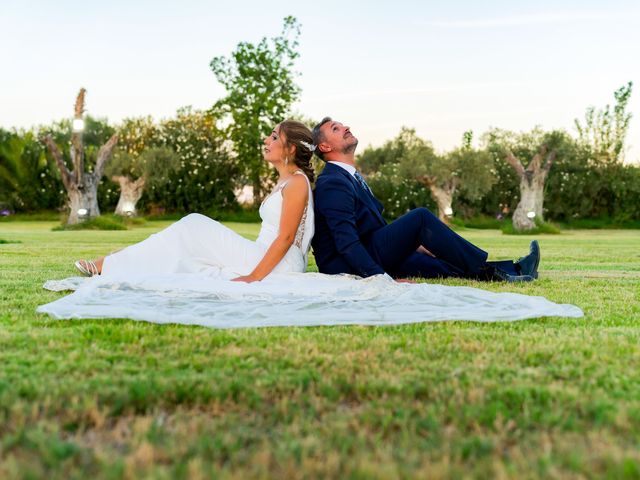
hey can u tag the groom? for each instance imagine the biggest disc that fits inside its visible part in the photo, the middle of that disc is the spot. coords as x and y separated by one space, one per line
352 237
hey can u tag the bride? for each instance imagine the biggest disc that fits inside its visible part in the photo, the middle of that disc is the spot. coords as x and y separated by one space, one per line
196 243
182 274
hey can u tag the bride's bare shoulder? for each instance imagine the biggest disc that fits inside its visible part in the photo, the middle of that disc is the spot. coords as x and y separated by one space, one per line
296 186
296 182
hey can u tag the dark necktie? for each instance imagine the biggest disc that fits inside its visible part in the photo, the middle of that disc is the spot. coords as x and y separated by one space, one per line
362 183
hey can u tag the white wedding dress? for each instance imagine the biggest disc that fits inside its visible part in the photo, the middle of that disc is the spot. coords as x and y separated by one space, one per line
182 275
199 245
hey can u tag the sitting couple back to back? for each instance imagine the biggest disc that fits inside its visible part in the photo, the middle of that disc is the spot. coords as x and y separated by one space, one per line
341 218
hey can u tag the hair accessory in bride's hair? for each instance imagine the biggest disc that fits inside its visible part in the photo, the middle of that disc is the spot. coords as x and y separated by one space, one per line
310 146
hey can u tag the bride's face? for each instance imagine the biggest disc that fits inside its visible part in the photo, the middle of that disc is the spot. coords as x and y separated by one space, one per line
274 150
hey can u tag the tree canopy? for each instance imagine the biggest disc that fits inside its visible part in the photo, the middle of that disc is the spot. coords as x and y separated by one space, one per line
260 84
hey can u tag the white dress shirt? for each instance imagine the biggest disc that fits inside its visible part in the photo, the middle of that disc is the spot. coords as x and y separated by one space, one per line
349 168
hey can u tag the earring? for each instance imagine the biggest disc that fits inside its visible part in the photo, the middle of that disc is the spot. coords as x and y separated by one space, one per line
286 161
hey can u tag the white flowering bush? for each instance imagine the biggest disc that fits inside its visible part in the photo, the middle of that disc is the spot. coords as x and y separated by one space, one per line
206 176
398 193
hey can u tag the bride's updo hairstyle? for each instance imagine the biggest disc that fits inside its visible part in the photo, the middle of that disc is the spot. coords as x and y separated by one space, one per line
298 135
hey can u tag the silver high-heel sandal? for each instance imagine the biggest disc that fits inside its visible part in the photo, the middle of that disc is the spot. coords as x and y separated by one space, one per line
88 268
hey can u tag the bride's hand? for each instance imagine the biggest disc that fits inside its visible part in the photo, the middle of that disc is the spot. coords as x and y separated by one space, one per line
245 279
424 251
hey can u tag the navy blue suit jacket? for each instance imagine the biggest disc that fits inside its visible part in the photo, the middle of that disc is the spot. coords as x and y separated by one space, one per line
345 216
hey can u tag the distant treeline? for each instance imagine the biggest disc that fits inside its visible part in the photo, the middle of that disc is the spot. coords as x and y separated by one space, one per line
191 166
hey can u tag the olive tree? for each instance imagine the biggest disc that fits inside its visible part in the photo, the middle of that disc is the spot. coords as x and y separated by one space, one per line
463 169
409 158
134 173
81 185
139 162
539 150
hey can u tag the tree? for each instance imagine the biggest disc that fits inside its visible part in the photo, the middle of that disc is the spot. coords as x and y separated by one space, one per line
531 187
463 169
259 80
542 148
135 172
605 130
81 186
409 158
139 162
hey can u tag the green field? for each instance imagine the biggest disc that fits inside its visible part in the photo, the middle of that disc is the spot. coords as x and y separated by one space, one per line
545 398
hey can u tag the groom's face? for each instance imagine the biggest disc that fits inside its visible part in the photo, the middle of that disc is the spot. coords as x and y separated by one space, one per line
337 137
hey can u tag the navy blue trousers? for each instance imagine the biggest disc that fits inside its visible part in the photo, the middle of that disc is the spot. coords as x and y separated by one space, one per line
394 248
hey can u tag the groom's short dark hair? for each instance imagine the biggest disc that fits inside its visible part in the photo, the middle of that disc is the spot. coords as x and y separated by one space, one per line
318 136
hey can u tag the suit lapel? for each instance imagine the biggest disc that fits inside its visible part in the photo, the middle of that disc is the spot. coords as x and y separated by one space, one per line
369 200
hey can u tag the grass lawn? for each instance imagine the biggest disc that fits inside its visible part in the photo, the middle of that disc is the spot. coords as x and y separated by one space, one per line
546 398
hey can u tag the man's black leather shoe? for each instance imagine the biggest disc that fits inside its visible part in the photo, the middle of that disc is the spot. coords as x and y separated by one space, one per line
529 265
506 277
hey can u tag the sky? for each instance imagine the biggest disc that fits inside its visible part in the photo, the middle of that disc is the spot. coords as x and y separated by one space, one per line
440 67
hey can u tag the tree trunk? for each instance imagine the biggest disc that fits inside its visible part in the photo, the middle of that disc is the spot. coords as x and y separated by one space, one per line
81 186
443 199
83 202
530 206
443 195
130 193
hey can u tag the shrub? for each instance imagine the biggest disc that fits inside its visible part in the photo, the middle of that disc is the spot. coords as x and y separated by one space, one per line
398 195
28 179
206 176
103 222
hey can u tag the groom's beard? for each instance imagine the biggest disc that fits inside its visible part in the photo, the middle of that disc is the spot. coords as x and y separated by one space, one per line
350 148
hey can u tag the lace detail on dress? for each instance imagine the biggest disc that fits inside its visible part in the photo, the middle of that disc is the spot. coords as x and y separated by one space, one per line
300 233
303 221
299 238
